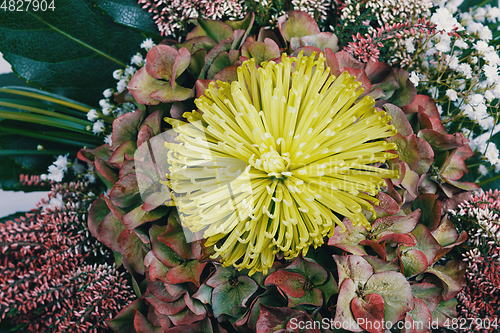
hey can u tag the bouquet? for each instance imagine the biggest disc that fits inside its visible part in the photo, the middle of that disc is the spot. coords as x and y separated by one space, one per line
251 166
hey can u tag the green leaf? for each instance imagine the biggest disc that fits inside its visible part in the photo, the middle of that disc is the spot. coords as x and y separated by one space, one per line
72 50
130 14
228 295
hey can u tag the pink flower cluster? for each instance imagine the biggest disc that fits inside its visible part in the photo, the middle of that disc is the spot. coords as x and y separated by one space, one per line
364 48
170 15
45 284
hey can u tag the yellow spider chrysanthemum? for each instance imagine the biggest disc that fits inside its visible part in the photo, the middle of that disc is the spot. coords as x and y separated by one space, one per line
275 158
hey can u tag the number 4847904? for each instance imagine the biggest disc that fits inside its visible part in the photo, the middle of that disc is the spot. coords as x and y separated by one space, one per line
26 5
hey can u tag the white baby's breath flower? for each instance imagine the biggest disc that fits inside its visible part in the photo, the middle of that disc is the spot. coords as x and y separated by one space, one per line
453 62
107 139
62 162
98 127
92 115
55 174
491 154
461 44
137 60
452 94
117 74
466 70
445 20
107 93
147 44
483 170
476 99
130 70
107 111
414 79
410 45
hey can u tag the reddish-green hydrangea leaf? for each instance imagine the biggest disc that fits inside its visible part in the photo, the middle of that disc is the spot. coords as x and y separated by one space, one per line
396 292
204 326
157 288
345 59
313 272
104 170
189 271
142 324
343 313
297 24
124 320
195 305
220 61
125 192
429 293
144 135
329 288
138 216
407 149
410 183
310 297
222 275
445 312
204 294
322 41
454 167
157 270
467 186
419 318
109 230
426 156
349 239
97 212
425 243
223 46
399 119
88 155
126 127
447 236
269 297
131 250
378 248
232 293
353 267
142 86
126 148
160 62
271 317
216 30
386 206
369 312
442 142
413 262
292 284
377 70
185 317
396 224
166 255
380 265
452 275
169 94
264 51
174 238
431 209
165 308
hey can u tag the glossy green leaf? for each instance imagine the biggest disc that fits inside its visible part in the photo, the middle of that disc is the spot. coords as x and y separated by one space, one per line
230 294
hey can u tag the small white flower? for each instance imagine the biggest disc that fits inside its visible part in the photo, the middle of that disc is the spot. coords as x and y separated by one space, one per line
483 170
440 109
487 123
118 74
130 70
43 176
107 140
410 46
137 60
480 14
147 44
39 147
106 111
55 173
461 44
492 58
414 79
121 85
491 154
489 95
445 20
452 94
466 70
107 93
98 127
92 115
62 162
453 64
103 103
481 46
476 99
55 202
90 177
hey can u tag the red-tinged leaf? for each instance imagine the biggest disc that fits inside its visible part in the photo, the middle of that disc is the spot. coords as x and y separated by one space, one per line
160 62
421 316
222 275
347 60
97 212
109 231
157 199
378 248
425 243
369 312
264 51
228 74
194 305
142 325
204 294
467 186
360 76
201 326
157 288
321 41
329 288
182 61
138 216
131 250
220 61
271 317
446 233
105 171
115 210
125 127
380 265
145 133
431 209
353 267
154 121
403 239
332 62
174 238
386 206
292 284
407 149
165 308
177 289
399 119
413 262
377 70
306 51
125 192
88 155
343 313
313 272
396 224
297 24
442 142
453 277
350 238
165 254
201 86
189 271
410 184
141 86
169 94
396 292
118 157
445 312
429 293
455 167
311 297
462 238
426 156
230 294
216 30
124 320
157 270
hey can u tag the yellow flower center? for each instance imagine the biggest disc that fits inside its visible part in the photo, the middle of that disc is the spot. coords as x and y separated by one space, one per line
276 159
